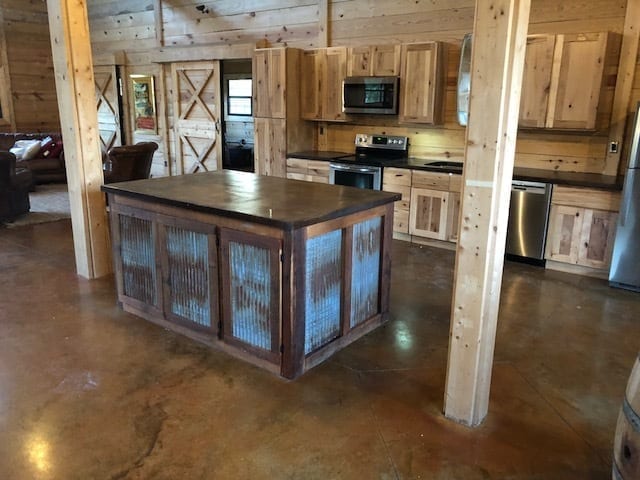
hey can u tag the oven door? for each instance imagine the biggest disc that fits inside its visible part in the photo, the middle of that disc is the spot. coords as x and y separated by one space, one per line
361 176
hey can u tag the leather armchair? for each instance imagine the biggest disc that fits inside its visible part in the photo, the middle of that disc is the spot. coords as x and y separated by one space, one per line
14 188
129 162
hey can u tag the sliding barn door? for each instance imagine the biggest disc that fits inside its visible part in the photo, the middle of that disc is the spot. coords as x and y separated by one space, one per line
196 110
107 105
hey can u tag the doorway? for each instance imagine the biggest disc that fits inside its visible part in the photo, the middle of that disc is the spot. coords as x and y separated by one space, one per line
237 107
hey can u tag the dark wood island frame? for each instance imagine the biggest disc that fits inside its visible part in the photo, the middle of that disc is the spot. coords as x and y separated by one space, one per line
281 273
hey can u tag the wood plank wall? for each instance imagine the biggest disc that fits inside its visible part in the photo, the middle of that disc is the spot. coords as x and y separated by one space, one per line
130 26
31 79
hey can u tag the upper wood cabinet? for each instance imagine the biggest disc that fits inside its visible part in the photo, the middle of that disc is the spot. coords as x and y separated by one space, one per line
422 83
270 82
377 60
562 81
278 128
322 71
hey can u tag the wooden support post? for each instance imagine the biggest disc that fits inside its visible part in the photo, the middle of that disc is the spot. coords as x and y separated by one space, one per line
499 40
624 85
157 15
71 48
323 23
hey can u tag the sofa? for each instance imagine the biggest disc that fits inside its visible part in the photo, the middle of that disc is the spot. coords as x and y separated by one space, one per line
44 168
14 188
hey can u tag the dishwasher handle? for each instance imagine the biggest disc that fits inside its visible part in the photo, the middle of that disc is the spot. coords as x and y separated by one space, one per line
530 187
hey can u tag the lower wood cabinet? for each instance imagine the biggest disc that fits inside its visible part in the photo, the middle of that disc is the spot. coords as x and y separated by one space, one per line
581 236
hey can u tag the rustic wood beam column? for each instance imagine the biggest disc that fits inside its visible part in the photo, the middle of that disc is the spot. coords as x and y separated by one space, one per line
71 48
157 16
499 40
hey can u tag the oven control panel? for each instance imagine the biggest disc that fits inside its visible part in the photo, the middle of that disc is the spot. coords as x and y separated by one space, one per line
390 142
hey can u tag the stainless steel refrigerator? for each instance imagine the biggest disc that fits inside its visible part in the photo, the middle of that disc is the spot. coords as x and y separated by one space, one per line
625 262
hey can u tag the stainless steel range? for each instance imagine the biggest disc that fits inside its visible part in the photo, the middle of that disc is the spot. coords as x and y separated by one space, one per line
364 169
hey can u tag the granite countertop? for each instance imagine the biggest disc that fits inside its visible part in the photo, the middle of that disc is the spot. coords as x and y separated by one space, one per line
574 179
278 202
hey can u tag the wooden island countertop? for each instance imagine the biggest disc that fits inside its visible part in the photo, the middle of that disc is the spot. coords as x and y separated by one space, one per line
281 273
273 201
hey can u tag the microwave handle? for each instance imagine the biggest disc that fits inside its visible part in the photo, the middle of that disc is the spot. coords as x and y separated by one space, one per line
350 168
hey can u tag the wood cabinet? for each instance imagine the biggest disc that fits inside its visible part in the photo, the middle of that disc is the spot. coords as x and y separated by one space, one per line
270 82
422 83
429 205
278 127
398 180
376 60
562 81
322 71
270 146
308 170
582 227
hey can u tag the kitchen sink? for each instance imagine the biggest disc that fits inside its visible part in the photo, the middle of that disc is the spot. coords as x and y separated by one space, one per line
445 164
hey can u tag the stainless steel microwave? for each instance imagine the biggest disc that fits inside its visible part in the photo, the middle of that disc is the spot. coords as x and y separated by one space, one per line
374 95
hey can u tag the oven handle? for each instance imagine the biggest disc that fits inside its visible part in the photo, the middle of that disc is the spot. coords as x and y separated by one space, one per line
351 168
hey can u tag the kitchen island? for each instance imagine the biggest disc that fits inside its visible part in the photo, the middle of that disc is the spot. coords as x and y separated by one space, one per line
281 273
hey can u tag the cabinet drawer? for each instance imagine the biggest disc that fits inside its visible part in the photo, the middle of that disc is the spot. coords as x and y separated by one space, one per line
297 165
586 197
434 181
405 191
397 176
455 183
297 176
318 169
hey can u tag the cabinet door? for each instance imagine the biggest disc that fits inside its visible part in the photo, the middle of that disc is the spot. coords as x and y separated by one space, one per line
536 80
421 83
189 260
250 276
269 67
576 84
270 143
565 229
428 213
318 171
385 60
311 68
596 241
334 72
359 62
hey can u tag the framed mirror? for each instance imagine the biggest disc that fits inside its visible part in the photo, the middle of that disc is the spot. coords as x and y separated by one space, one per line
144 104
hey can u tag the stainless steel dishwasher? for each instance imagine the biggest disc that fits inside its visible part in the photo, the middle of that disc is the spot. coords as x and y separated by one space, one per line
528 220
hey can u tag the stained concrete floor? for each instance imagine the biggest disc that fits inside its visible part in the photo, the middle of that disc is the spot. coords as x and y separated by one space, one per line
90 392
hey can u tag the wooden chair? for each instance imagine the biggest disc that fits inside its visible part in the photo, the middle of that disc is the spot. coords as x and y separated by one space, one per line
129 162
15 184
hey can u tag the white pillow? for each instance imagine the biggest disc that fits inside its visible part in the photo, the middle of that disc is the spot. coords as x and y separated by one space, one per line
45 140
26 148
17 151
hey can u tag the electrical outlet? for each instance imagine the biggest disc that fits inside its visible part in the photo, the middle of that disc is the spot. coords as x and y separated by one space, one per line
613 147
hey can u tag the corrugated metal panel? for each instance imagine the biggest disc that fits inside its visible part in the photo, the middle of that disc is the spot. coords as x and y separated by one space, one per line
323 281
250 273
365 276
188 260
138 259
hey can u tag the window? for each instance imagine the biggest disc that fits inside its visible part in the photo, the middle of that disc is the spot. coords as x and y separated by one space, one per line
239 97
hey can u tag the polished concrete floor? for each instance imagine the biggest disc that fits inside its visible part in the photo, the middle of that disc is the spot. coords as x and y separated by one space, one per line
90 392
